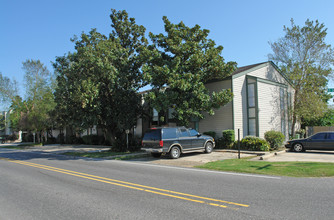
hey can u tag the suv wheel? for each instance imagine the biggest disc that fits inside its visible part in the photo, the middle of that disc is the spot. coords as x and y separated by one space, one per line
175 152
208 147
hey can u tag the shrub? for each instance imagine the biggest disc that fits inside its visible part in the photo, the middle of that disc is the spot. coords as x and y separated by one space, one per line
119 146
51 140
93 139
12 137
73 139
274 138
252 143
228 136
220 143
61 139
210 133
28 138
226 140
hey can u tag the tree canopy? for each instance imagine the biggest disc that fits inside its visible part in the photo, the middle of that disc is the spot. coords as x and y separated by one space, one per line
33 112
180 63
305 58
98 84
8 90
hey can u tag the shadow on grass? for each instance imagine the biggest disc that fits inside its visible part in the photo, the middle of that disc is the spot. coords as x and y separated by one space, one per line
266 167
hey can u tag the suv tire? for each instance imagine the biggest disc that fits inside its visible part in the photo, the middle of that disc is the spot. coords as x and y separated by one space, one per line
175 152
208 147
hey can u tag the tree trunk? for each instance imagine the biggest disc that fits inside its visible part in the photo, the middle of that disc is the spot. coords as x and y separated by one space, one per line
109 135
294 121
294 116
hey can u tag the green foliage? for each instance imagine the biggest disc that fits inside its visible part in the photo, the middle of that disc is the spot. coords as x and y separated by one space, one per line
27 137
8 89
12 137
33 113
226 141
73 139
229 136
220 143
180 63
98 84
326 120
93 139
253 144
2 123
210 133
119 145
274 138
51 140
305 58
61 138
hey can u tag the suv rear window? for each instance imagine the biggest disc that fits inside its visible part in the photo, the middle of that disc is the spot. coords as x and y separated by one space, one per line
169 133
153 135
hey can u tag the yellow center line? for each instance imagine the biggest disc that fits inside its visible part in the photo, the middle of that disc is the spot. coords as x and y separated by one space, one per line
129 185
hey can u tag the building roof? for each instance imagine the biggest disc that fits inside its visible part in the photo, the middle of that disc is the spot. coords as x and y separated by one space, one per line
244 68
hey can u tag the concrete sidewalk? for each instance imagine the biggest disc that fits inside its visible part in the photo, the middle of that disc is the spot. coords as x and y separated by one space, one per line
308 156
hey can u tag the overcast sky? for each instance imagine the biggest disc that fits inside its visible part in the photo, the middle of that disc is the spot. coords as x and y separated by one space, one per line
32 29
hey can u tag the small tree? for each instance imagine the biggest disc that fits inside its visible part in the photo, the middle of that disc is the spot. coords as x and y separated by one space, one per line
8 90
33 113
305 58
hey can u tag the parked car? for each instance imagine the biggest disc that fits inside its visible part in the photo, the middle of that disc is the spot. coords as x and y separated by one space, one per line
318 141
175 140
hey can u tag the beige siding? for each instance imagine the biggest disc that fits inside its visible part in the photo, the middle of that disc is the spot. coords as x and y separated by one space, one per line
240 106
222 119
269 100
268 72
269 108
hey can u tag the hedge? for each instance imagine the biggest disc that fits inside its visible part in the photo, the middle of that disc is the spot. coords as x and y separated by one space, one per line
274 138
228 136
93 139
253 144
210 133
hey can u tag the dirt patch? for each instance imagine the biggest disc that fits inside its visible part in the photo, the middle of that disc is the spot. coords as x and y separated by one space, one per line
195 159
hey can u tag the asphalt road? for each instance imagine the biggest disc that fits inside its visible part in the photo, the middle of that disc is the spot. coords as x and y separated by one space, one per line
45 186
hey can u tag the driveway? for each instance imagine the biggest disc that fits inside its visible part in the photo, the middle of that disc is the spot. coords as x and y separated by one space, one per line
194 159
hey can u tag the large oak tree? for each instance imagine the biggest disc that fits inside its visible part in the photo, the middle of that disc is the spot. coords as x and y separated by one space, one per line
98 84
180 63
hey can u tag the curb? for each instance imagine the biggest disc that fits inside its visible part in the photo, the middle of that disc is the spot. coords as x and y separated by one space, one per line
272 155
258 153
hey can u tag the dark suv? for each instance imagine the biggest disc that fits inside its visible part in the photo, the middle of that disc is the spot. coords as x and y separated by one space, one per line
175 140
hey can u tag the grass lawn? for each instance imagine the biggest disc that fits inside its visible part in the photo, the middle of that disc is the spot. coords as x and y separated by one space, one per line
293 169
102 154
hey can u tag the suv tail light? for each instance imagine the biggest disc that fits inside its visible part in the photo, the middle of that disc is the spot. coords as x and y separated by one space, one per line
161 143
